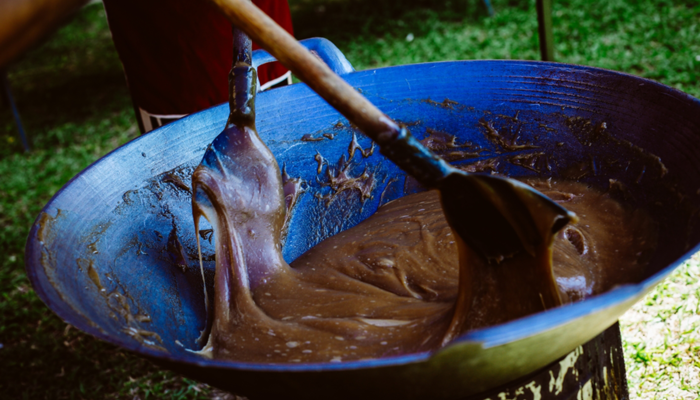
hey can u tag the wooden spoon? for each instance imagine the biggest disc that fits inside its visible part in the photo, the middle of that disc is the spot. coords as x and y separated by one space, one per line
496 217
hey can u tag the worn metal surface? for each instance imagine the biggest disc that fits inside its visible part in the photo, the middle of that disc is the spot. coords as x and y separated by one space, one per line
114 253
593 371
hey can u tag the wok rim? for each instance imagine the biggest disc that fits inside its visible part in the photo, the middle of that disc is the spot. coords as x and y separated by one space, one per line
488 337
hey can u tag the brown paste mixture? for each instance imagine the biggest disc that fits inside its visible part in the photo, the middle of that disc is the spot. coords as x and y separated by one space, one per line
390 285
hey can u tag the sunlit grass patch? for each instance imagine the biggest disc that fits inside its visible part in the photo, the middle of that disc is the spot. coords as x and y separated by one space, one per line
662 338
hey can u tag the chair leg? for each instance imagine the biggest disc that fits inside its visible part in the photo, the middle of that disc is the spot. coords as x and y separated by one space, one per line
489 7
544 25
10 100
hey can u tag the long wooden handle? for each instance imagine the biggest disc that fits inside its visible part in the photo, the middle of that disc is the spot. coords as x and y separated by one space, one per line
312 71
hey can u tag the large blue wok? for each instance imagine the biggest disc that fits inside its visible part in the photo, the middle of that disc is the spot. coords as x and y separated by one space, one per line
114 252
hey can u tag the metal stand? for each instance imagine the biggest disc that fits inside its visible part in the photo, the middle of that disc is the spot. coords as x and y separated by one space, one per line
593 371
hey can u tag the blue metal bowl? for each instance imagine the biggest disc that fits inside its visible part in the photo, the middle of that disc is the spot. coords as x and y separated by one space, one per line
101 254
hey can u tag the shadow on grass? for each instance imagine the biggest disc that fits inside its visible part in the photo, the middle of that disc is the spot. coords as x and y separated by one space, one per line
74 77
75 101
345 20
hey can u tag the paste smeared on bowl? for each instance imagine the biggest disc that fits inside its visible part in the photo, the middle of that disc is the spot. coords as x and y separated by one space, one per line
399 282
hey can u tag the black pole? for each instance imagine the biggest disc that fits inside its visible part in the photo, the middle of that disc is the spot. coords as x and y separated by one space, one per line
544 26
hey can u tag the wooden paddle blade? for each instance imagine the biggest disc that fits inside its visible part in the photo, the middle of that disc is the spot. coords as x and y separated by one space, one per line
499 217
477 221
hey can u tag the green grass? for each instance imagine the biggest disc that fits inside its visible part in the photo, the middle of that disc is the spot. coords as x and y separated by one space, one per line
662 338
655 39
76 108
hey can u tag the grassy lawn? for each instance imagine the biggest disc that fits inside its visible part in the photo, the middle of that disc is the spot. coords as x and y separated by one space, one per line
76 108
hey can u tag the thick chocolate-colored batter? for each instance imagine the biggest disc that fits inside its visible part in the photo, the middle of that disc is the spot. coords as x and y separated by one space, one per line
391 285
401 281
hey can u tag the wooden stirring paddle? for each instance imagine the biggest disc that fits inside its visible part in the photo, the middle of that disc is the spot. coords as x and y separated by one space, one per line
496 217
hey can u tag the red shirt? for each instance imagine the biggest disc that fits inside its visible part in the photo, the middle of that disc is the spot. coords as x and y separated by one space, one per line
177 54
